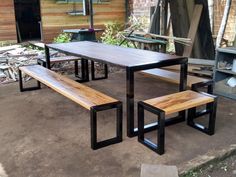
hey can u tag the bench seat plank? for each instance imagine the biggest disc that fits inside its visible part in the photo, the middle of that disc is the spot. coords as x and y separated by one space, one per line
179 101
61 59
172 77
79 93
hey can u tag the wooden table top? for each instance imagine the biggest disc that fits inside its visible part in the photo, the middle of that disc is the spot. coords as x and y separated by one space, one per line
121 56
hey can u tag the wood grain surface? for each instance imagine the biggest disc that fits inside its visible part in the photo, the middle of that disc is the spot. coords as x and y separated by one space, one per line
179 101
79 93
62 59
7 21
172 77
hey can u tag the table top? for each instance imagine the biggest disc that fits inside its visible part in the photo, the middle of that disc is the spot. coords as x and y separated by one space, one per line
82 30
120 56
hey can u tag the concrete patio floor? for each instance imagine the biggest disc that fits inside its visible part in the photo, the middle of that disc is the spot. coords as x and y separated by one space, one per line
43 134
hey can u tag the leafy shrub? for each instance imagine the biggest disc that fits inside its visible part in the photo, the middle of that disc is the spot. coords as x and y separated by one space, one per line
111 33
62 38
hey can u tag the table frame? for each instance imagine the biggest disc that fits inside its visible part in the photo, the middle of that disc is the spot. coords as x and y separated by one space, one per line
131 130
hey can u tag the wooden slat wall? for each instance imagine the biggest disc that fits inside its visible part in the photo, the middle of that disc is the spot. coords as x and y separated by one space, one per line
55 18
7 21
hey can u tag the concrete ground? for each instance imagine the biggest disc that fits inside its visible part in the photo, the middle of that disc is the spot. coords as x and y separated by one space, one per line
43 134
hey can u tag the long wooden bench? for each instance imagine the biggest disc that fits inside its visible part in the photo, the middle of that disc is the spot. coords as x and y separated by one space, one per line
193 82
92 100
84 64
173 103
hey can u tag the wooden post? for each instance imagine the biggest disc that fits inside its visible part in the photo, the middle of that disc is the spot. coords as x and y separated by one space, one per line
223 23
204 46
155 20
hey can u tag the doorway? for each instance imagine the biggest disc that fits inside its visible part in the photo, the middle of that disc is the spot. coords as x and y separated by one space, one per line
28 20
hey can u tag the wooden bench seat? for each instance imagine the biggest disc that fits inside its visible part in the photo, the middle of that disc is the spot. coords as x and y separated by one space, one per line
193 82
84 64
174 103
61 59
179 101
85 96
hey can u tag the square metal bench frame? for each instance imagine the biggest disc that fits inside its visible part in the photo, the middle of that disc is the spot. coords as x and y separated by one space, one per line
195 87
119 121
160 146
93 72
84 70
93 118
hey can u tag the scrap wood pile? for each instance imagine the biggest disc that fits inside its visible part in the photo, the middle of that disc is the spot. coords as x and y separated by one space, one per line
12 57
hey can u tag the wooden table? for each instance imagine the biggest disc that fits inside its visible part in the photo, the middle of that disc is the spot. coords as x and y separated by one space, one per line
132 60
83 34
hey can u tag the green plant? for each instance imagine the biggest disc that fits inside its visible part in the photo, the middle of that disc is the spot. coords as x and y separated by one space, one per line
111 33
62 38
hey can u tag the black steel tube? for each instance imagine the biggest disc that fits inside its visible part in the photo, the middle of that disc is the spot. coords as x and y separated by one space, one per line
91 14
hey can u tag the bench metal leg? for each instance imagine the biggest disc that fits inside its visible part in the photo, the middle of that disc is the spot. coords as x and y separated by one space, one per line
84 71
210 130
76 68
209 85
159 147
22 89
93 72
42 63
93 116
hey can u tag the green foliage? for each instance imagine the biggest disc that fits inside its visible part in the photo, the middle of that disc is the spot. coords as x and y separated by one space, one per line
62 38
115 32
111 33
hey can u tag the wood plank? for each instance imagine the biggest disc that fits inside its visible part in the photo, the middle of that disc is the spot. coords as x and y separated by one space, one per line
37 44
79 93
193 29
172 77
179 101
8 48
7 21
197 61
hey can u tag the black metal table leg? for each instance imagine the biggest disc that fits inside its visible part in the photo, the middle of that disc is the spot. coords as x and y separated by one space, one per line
131 130
47 56
183 85
130 102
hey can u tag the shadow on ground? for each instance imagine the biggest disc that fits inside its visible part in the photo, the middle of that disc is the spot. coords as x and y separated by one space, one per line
44 134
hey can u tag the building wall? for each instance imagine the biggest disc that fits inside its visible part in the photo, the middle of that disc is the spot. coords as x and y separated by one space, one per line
7 21
142 7
55 17
231 25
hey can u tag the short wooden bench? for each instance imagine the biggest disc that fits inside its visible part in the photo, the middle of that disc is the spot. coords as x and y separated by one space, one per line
92 100
173 103
193 82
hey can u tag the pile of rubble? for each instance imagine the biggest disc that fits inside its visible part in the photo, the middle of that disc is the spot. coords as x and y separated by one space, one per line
11 57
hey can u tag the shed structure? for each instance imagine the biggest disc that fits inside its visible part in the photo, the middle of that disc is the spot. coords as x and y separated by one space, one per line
22 20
